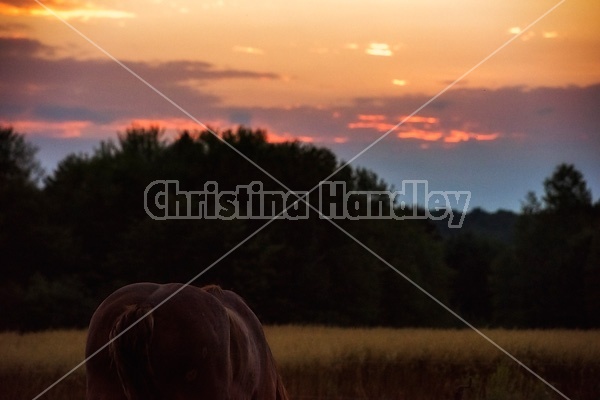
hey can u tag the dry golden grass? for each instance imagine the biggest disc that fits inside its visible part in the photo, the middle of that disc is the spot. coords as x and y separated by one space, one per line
293 345
320 362
31 362
353 363
53 349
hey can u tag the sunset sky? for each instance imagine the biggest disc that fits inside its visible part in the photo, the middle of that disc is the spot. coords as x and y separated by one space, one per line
335 73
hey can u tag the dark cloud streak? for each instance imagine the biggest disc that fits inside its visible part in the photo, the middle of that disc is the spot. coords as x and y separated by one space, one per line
37 82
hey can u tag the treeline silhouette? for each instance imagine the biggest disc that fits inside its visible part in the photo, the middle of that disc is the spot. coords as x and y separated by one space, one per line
69 239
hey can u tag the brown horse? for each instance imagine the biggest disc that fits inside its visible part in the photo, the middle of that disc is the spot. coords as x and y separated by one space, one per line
203 343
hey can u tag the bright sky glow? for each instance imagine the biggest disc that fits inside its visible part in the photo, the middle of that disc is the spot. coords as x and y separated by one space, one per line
331 72
324 47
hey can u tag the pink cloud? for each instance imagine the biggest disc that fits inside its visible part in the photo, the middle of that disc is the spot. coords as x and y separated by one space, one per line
61 129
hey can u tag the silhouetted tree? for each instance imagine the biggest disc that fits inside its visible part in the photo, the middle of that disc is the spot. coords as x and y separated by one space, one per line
552 250
19 205
22 237
566 190
18 164
94 234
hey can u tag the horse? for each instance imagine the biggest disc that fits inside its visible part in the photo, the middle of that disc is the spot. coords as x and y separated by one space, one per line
202 343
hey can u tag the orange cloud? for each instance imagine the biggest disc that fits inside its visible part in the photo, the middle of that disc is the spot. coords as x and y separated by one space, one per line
456 136
430 136
63 9
379 126
415 119
377 121
274 137
288 137
371 121
371 117
427 129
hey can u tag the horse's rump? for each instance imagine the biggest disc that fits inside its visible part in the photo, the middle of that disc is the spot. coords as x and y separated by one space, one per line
201 344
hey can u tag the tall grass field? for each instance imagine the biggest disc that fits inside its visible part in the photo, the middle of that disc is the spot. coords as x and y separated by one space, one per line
352 364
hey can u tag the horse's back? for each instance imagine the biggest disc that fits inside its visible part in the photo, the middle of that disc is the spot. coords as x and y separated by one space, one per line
187 350
197 344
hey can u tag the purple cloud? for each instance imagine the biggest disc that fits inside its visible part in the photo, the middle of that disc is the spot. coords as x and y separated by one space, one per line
99 89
